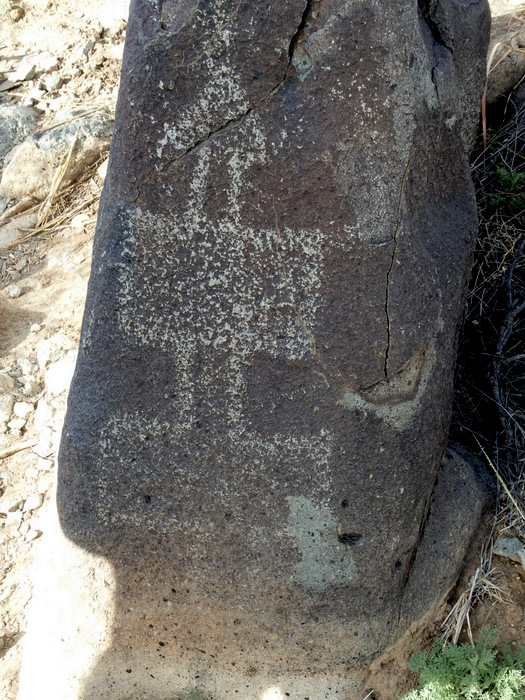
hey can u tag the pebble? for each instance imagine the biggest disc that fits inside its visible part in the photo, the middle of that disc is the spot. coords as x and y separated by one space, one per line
45 445
59 374
32 535
52 349
117 52
6 407
44 464
511 548
25 365
44 415
7 383
10 505
14 432
16 424
116 28
35 327
22 409
52 82
23 529
14 291
103 169
34 501
31 388
13 520
16 13
47 63
25 71
87 48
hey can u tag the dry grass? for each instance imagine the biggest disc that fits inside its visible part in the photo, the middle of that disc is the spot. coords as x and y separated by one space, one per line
55 214
489 412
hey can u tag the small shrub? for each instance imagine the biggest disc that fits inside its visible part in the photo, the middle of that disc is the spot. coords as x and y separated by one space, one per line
511 190
469 672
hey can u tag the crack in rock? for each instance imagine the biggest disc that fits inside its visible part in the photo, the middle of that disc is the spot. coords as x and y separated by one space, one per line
426 7
303 31
391 267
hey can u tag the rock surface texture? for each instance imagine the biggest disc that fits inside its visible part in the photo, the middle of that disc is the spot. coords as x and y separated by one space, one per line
262 394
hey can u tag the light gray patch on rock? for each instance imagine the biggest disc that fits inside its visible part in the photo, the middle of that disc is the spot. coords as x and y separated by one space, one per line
325 560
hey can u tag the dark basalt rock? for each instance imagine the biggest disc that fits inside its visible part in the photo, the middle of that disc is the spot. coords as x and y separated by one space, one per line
261 402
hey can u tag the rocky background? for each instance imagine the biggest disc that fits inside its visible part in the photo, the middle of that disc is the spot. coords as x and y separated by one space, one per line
59 71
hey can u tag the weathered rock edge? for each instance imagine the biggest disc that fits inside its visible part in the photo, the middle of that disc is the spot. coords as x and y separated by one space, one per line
262 395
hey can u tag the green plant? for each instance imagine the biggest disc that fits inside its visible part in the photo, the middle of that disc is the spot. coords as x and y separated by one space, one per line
511 192
469 671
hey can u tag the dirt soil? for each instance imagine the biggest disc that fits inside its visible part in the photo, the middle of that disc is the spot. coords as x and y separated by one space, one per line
39 329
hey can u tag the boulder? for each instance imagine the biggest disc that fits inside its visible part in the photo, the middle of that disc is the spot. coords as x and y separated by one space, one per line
507 54
32 168
250 470
15 124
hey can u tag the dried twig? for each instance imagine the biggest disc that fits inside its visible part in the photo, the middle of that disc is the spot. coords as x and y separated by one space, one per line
9 451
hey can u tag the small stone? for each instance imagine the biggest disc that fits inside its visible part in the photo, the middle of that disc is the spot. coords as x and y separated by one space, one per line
116 28
117 52
14 291
10 505
52 82
6 85
58 103
45 482
23 529
45 446
44 414
25 365
97 57
44 465
32 535
16 424
6 407
52 349
102 169
13 520
22 409
14 432
7 383
35 327
16 13
25 71
31 388
88 47
511 548
60 374
33 502
47 63
79 220
36 94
